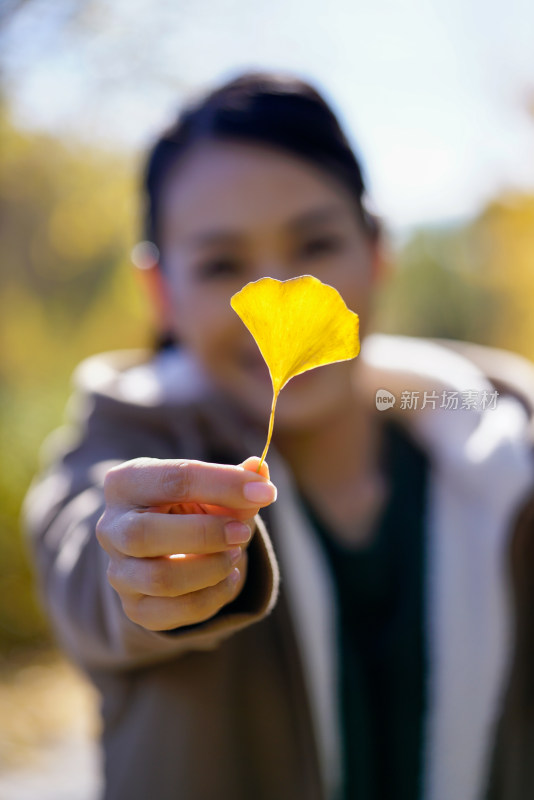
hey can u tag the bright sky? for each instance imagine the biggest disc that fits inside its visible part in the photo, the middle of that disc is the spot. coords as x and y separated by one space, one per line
434 93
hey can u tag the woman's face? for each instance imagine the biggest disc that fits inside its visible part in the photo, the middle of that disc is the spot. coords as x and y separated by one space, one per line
234 213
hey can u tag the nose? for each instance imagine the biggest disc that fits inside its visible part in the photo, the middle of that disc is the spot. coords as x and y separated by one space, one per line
275 268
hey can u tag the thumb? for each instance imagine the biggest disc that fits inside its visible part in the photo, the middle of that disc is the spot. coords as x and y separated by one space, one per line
251 464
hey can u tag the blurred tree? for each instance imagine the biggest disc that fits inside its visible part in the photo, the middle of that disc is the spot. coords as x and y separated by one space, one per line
472 281
504 240
434 290
67 223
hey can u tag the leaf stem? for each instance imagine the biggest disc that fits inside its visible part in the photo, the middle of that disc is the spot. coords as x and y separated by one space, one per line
270 431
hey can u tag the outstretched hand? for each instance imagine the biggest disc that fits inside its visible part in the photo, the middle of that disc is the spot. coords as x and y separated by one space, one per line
176 533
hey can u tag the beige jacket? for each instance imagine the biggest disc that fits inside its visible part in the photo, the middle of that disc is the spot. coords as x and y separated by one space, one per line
243 706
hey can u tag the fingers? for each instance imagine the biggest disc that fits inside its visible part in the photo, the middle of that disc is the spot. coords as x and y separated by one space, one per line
145 534
176 533
166 613
150 482
171 577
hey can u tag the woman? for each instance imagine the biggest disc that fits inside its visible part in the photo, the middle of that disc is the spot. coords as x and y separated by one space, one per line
356 638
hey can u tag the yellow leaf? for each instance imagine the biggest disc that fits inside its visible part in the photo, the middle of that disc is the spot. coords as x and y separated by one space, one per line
298 325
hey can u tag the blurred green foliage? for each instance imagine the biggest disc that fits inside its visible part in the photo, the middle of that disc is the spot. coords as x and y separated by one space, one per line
68 222
473 281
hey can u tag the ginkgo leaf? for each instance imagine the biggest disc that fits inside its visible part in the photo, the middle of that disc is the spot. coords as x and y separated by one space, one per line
298 324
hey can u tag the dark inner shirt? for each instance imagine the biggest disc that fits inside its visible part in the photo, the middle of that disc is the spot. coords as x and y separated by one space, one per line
382 652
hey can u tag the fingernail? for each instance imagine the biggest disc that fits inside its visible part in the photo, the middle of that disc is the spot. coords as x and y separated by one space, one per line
234 576
234 555
257 492
236 532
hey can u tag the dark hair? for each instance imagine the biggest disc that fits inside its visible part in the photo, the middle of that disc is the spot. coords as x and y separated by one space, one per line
268 108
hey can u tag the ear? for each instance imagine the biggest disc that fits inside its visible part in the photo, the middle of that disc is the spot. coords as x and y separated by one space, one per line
155 287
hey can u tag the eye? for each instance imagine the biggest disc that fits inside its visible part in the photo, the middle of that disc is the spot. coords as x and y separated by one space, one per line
320 245
220 267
